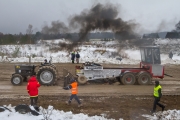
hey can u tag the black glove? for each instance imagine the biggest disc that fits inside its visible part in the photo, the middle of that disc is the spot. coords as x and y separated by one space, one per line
65 88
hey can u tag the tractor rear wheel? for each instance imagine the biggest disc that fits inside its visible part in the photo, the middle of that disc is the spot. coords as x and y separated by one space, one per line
46 75
144 78
16 79
82 79
128 79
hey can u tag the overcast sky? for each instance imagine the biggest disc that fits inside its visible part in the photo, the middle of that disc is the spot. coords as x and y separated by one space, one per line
152 15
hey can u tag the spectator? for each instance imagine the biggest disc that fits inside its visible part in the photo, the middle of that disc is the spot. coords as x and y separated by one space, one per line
73 56
32 89
170 55
77 57
157 96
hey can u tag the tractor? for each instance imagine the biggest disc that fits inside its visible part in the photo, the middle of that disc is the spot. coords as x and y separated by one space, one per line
150 66
46 73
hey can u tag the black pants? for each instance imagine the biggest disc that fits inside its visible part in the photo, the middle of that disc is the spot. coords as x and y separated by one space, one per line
156 102
34 100
75 97
72 60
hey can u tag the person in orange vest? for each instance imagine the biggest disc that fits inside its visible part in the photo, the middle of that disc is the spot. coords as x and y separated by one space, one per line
74 90
32 89
157 96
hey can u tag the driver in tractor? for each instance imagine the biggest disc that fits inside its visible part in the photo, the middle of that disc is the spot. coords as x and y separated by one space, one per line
45 62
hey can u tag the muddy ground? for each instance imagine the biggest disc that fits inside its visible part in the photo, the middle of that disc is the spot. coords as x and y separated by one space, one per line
115 100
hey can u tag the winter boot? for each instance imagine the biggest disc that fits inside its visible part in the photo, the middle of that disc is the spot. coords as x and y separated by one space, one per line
67 103
152 111
163 107
80 105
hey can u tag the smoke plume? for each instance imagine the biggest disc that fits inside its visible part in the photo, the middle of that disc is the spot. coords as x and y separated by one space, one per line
103 17
99 17
56 27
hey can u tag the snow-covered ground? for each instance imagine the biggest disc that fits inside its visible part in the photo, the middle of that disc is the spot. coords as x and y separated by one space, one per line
47 114
52 114
106 52
98 51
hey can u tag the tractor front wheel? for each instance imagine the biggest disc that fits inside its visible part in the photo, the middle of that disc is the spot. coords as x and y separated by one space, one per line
16 79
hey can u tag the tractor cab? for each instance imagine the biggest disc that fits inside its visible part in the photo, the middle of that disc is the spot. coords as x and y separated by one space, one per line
150 59
150 54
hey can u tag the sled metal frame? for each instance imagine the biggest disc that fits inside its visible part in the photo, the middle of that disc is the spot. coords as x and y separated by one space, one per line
101 74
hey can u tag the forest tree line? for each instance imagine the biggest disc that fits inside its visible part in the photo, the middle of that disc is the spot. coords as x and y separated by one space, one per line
6 39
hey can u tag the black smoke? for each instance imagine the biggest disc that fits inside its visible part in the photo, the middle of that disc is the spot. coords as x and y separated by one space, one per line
56 27
103 17
100 17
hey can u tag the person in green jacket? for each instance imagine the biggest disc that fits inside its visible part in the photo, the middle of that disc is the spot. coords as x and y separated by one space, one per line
157 96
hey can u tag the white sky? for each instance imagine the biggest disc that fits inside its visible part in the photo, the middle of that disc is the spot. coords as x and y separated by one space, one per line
153 15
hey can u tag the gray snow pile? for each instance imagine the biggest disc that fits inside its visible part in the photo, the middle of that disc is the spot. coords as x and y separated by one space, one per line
165 115
48 114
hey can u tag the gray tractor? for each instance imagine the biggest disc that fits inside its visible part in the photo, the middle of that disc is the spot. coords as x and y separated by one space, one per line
46 73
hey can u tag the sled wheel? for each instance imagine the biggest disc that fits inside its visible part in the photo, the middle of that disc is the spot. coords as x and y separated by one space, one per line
46 75
128 79
16 79
144 78
23 109
82 80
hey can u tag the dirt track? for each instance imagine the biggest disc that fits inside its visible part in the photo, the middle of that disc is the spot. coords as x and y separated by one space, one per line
116 101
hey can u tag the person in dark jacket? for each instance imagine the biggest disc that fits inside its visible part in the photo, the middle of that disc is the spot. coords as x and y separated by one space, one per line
73 56
157 96
77 57
74 90
45 62
32 89
170 55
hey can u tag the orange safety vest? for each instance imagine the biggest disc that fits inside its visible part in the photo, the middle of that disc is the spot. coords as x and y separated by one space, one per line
74 89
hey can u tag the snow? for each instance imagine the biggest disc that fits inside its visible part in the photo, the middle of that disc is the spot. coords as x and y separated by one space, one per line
97 51
47 114
52 114
106 52
165 115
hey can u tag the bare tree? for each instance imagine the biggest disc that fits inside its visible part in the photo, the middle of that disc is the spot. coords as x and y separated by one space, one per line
47 113
29 31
